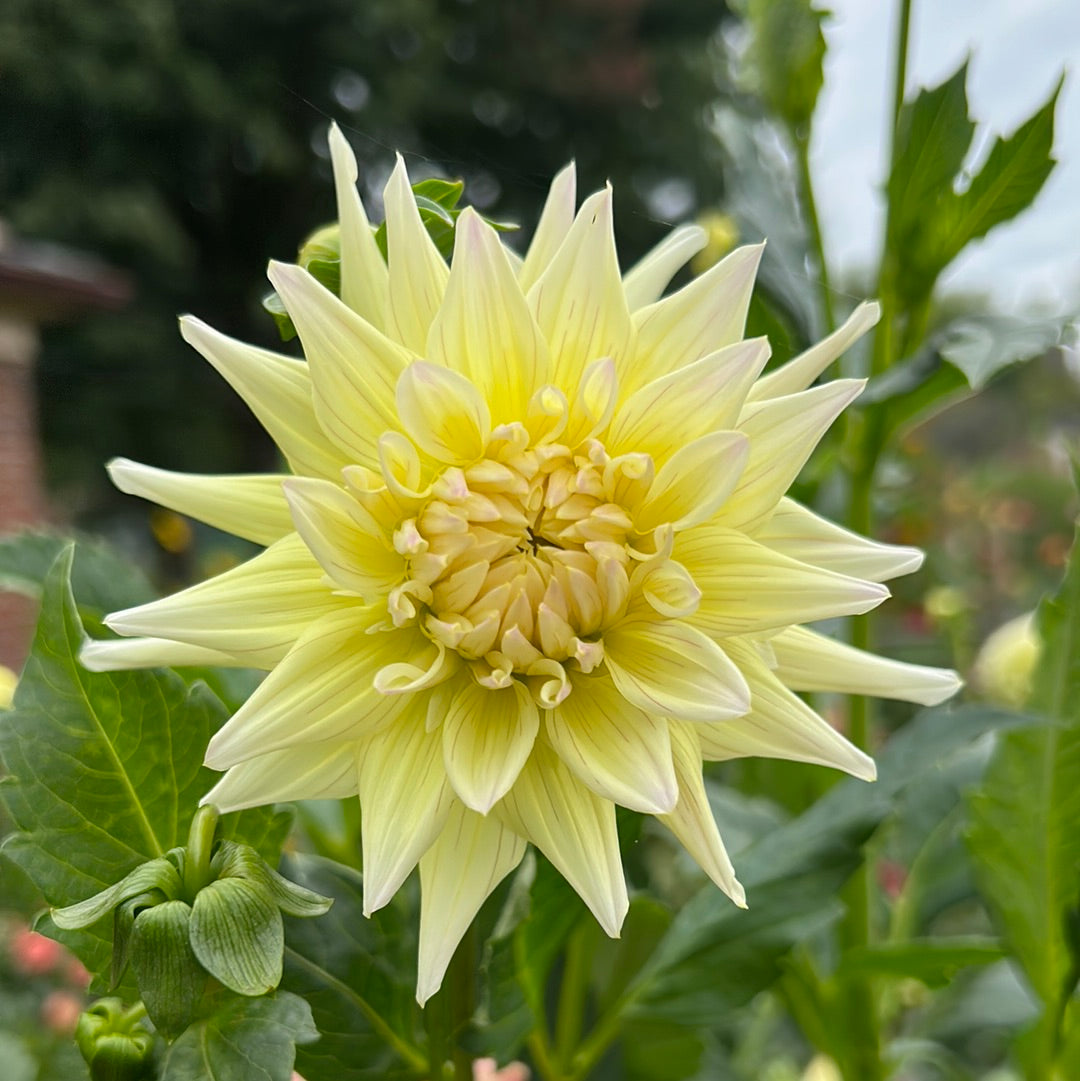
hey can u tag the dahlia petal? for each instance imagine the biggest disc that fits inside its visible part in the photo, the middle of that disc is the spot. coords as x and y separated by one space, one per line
443 413
646 280
418 273
487 736
807 661
363 270
354 367
405 800
344 538
119 654
251 507
574 828
255 612
700 318
780 725
277 390
747 587
458 873
484 329
670 668
620 752
782 432
694 482
578 301
594 402
801 371
800 533
552 227
692 819
702 397
323 690
325 771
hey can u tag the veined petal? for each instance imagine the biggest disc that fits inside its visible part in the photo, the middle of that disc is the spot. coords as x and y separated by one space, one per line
779 725
783 432
325 771
484 329
405 799
555 221
344 538
646 280
747 587
800 372
363 270
677 408
252 507
323 690
443 413
670 668
458 873
620 752
119 654
807 661
694 482
487 736
798 532
354 368
700 318
692 819
255 612
418 273
277 390
574 828
578 301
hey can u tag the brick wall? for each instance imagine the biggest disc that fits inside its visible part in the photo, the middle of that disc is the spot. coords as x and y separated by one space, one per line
22 500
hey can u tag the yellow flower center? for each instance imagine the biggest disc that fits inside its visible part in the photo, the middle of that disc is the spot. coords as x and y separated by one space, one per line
522 560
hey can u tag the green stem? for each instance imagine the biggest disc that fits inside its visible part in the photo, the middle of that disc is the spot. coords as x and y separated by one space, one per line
461 983
199 847
801 141
603 1035
570 1013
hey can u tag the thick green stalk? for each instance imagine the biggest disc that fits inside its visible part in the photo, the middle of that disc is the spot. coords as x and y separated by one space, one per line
570 1013
199 846
461 986
862 1046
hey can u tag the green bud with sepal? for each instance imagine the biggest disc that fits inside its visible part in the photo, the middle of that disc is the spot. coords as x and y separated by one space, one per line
210 909
114 1043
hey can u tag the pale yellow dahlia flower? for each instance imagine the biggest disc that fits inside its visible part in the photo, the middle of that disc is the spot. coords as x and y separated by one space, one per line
534 558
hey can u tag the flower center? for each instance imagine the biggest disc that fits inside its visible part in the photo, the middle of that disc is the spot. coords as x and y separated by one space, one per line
524 558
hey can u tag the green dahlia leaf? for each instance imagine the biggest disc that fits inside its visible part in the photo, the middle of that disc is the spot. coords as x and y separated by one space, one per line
103 769
788 52
1024 837
359 976
253 1039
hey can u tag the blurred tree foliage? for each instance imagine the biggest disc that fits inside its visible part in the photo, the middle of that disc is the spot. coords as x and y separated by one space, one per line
186 142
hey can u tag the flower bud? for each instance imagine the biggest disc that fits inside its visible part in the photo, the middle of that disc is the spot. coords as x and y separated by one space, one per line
1006 663
113 1043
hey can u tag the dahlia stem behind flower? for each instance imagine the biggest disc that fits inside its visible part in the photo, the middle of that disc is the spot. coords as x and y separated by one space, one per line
534 557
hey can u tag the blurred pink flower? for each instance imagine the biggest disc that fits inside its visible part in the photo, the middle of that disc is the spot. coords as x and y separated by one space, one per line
486 1069
34 954
60 1012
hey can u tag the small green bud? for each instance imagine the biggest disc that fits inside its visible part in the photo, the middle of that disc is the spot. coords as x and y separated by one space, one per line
113 1043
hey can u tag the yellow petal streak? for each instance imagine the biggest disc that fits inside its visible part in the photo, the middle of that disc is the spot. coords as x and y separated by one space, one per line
443 413
780 725
807 661
487 736
469 859
484 330
670 668
620 752
230 612
406 800
252 507
692 821
575 829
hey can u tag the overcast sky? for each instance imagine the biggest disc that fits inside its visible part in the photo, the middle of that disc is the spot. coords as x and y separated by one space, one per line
1018 50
